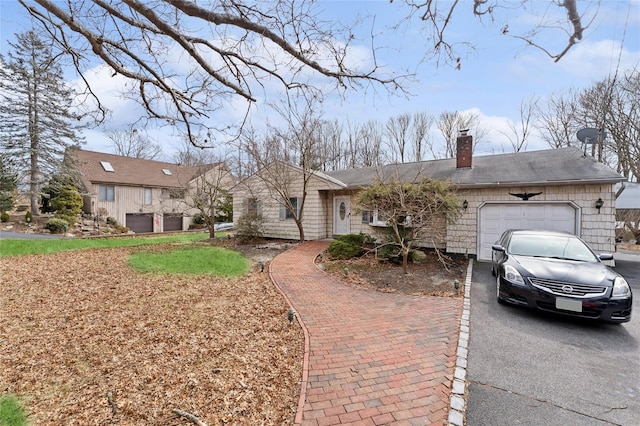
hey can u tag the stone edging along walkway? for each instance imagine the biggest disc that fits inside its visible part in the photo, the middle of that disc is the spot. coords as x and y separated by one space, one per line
370 357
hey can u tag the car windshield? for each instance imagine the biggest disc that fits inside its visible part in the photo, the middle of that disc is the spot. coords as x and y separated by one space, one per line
554 246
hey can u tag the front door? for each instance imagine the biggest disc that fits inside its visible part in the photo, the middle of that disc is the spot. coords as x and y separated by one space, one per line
341 215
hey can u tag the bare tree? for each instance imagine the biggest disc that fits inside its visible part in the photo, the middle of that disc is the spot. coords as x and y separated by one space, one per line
422 123
210 193
330 145
613 105
450 123
370 145
518 135
229 50
567 31
623 124
557 120
287 159
397 134
133 144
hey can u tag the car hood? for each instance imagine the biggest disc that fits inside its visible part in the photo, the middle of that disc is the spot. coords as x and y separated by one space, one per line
566 270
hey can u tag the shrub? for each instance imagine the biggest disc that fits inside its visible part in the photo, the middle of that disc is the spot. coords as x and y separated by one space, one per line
391 253
347 246
71 220
68 204
343 250
250 227
198 219
120 229
28 217
111 221
56 225
4 217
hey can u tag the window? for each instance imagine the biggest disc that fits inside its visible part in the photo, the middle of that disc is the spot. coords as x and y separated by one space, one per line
107 193
376 219
285 213
252 207
107 166
147 196
174 193
367 216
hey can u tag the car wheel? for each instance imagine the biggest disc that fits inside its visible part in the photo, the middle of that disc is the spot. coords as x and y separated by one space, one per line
498 297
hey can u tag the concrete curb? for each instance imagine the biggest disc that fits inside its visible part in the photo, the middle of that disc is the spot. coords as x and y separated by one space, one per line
458 399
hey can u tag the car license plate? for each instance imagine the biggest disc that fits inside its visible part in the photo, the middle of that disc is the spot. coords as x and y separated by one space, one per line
569 304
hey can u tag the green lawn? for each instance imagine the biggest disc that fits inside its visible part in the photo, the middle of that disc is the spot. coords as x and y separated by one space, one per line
185 258
18 247
199 260
11 411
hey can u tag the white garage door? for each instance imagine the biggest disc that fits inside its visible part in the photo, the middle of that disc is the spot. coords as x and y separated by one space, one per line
497 218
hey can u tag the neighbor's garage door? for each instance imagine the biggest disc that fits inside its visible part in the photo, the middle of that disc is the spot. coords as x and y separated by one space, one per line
140 222
172 222
497 218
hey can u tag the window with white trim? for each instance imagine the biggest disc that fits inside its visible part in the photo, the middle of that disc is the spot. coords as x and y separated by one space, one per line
286 214
375 219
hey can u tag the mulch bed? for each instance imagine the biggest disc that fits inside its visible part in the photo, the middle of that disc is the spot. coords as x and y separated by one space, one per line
427 276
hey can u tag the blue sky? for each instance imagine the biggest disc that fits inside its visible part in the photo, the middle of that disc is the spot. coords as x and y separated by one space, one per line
495 76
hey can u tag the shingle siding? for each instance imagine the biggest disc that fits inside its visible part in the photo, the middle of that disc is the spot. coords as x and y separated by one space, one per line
596 229
314 214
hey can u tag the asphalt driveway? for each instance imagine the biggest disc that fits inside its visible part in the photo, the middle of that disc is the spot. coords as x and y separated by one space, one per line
30 236
528 368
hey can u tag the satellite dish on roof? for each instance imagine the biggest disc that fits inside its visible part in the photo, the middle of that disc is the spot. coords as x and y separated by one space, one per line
589 135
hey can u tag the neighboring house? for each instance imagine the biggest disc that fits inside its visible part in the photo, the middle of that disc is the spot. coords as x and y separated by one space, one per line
143 195
628 196
556 189
628 210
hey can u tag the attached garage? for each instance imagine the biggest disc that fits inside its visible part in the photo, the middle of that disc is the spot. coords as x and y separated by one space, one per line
140 222
171 222
495 218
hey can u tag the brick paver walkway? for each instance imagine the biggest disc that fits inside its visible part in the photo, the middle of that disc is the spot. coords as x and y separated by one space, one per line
372 358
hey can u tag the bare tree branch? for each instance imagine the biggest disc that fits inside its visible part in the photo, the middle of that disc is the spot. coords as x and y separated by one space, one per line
189 61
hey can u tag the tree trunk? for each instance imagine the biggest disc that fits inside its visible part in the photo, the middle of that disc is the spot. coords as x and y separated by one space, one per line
300 229
405 261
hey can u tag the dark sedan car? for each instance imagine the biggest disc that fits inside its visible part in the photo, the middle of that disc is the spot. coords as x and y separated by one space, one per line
558 272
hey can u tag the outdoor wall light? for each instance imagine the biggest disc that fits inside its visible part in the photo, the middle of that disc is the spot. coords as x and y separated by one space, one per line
599 204
465 204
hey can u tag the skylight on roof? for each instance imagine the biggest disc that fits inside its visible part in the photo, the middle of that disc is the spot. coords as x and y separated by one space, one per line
166 172
107 166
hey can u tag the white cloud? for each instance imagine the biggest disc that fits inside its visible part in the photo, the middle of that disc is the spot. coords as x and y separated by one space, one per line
596 60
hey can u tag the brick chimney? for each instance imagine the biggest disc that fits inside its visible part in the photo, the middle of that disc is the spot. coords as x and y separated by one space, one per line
464 150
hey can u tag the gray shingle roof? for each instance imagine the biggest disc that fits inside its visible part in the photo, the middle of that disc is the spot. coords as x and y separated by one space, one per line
629 198
547 167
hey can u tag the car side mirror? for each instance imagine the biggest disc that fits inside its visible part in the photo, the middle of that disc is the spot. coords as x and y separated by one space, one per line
605 256
498 247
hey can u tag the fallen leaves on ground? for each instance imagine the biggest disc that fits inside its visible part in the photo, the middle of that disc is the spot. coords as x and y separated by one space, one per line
85 340
426 276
